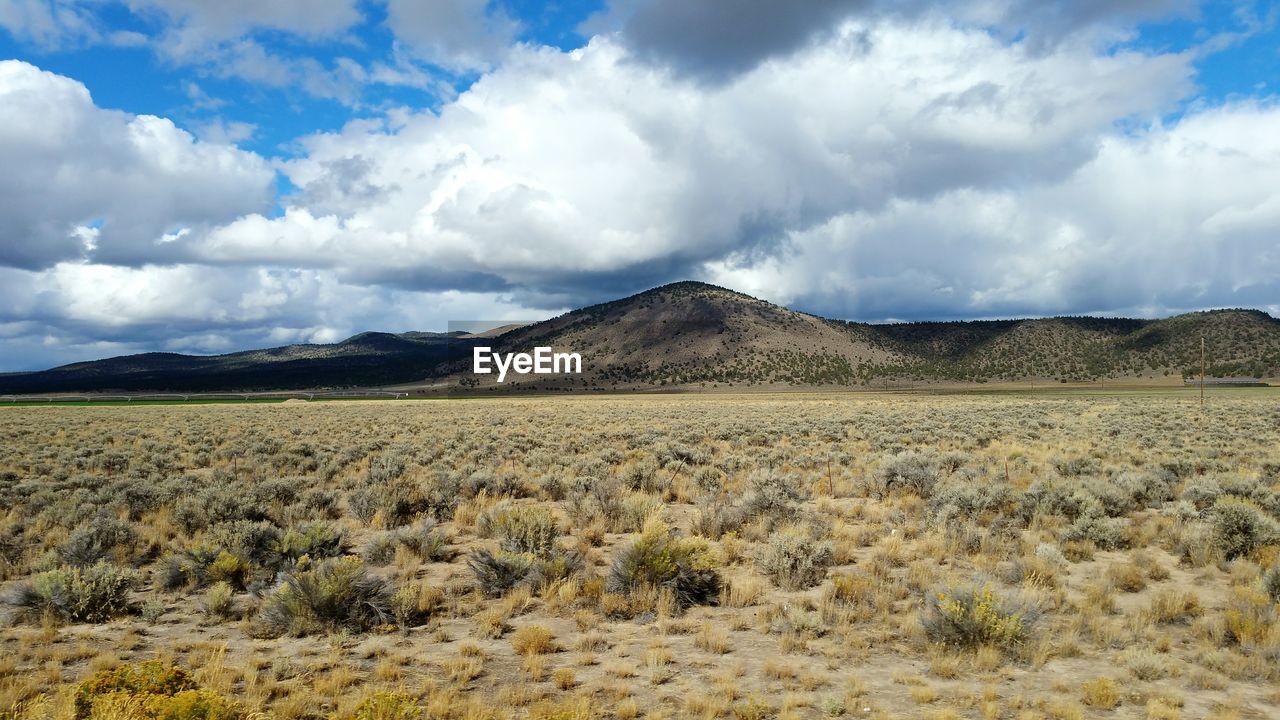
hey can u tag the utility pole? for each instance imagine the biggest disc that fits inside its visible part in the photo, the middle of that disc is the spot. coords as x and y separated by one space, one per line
1202 372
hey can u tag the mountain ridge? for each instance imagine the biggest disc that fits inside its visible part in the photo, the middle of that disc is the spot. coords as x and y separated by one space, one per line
691 333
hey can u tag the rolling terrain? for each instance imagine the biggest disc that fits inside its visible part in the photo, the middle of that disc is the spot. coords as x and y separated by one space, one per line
694 334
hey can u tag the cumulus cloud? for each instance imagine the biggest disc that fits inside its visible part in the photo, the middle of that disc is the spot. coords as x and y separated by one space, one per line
85 181
584 169
889 165
75 310
720 39
193 25
1160 221
224 39
460 35
49 23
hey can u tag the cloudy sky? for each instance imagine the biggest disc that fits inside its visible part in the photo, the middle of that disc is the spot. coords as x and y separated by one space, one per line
203 177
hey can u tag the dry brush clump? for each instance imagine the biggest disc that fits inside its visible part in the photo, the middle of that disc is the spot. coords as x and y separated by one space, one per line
324 596
974 614
794 559
657 559
94 594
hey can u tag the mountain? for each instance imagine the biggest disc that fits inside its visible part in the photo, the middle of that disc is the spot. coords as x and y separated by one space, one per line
694 334
367 359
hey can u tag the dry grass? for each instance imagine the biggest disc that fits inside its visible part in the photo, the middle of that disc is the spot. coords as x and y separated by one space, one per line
1094 515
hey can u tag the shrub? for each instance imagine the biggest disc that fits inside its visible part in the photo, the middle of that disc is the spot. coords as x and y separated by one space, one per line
633 511
1101 693
1202 492
97 540
152 609
533 640
854 590
429 543
382 548
771 495
494 484
414 603
424 540
184 705
229 569
1052 496
1174 606
394 502
913 471
644 476
315 540
708 480
526 529
1148 487
187 568
794 561
363 503
1076 466
964 498
1271 583
714 518
1145 664
1105 533
656 559
497 572
334 594
1051 554
1250 618
149 691
1128 577
71 594
1240 527
1253 489
562 564
143 678
386 705
1115 499
256 541
218 601
973 615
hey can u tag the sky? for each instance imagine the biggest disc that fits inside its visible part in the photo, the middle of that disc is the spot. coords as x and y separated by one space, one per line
189 176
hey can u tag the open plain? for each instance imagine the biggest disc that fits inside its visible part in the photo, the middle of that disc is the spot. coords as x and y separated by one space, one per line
1060 555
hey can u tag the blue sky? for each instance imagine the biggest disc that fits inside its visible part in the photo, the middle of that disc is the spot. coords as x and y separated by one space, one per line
141 80
203 177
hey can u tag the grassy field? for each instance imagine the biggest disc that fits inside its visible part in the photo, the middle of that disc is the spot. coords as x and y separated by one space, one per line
1051 554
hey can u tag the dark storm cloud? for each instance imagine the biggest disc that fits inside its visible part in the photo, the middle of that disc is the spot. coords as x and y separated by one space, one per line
716 39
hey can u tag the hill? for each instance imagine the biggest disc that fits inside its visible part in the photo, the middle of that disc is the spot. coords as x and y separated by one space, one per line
691 333
367 359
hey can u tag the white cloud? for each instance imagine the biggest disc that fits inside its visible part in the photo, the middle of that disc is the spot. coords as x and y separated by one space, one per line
76 311
193 25
134 177
50 24
222 132
459 35
717 40
901 167
559 166
1161 221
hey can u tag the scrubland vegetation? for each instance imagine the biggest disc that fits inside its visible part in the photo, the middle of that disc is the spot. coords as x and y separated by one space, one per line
741 557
